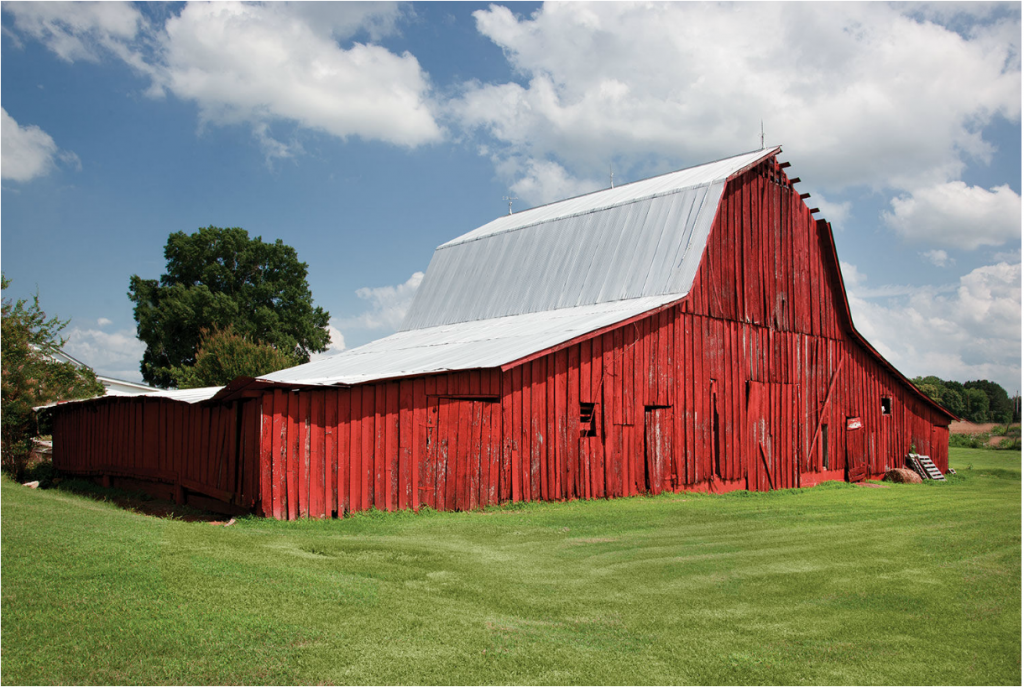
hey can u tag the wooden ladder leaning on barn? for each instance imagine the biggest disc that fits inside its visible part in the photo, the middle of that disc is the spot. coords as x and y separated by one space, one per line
924 466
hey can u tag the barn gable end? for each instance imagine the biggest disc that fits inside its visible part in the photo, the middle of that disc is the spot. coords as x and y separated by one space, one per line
689 331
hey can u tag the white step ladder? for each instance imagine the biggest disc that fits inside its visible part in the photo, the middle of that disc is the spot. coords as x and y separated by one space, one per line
924 467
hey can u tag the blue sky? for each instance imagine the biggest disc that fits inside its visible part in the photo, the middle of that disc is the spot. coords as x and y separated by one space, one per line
366 135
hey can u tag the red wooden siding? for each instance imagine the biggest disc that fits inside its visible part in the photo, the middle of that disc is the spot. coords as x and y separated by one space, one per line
519 437
428 441
205 450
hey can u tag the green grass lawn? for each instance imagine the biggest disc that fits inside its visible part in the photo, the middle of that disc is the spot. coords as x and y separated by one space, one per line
908 584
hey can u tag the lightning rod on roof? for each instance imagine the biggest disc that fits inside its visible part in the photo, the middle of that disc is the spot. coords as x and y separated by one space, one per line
762 134
509 199
611 176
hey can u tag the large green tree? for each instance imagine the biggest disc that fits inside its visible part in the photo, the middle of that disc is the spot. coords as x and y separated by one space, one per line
32 376
220 278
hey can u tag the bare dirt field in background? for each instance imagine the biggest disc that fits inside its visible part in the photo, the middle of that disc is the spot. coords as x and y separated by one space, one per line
972 428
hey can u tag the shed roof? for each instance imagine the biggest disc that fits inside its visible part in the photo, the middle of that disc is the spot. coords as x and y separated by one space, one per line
190 396
464 345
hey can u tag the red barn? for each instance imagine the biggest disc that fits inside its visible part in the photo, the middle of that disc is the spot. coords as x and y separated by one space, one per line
689 331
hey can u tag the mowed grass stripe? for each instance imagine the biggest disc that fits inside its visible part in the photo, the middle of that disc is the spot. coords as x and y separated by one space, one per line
836 584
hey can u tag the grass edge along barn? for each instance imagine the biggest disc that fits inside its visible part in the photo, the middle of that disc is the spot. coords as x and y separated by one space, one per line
685 332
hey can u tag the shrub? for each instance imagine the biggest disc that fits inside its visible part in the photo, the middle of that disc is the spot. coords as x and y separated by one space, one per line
968 440
32 376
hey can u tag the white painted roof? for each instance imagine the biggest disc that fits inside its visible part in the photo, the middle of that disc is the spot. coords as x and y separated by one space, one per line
465 345
638 240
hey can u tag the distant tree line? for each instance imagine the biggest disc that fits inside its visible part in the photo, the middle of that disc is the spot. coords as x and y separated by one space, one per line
978 401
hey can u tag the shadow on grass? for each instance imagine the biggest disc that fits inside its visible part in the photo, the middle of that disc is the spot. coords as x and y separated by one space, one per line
133 501
146 504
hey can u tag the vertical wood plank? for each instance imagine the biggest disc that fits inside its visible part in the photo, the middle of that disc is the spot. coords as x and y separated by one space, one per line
597 444
317 455
516 428
367 445
302 453
392 468
550 422
406 435
492 436
280 439
357 471
381 492
538 405
418 443
503 434
346 456
476 462
613 389
445 455
575 477
561 423
333 490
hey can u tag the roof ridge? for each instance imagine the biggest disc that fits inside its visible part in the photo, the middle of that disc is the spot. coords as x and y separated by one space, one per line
462 240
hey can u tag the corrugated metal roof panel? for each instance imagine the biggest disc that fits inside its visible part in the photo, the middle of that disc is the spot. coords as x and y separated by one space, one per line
187 395
628 251
701 175
464 346
181 395
638 240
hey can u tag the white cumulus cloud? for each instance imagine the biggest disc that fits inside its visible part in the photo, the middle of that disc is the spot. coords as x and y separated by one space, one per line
544 181
957 215
263 65
939 258
969 331
860 94
78 30
111 354
387 305
336 345
28 151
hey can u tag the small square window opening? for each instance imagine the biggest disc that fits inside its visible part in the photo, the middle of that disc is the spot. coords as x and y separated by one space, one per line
588 423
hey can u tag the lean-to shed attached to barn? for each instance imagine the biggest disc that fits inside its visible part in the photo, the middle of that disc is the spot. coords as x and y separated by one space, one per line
689 331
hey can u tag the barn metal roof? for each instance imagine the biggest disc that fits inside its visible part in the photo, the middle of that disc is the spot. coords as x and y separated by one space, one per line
672 182
638 240
529 281
465 345
526 282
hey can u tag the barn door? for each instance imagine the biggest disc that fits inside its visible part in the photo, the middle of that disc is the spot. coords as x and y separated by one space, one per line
856 451
771 460
657 447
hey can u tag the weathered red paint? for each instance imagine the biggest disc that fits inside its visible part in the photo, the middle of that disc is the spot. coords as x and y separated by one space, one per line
158 445
743 384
